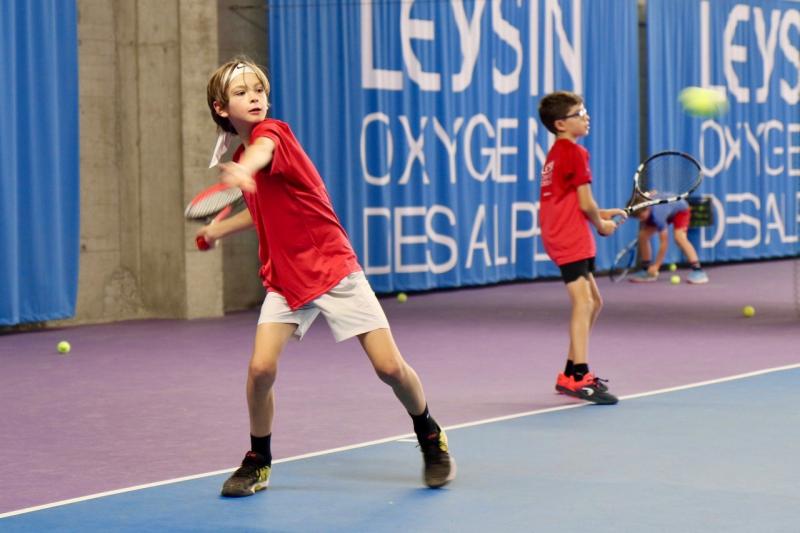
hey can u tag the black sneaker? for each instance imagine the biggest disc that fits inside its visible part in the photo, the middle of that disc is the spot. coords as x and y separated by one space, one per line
591 389
252 476
440 468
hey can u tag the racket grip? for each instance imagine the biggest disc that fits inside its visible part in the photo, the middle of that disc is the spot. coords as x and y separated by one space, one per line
202 243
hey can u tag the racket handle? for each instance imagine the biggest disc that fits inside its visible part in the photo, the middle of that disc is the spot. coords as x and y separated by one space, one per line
202 243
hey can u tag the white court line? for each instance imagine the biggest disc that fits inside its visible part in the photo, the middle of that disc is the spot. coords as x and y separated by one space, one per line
405 438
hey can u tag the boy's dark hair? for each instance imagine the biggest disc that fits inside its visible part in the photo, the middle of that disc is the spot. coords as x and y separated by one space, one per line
555 106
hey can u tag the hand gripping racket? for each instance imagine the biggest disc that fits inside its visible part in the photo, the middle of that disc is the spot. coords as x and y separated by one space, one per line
212 205
662 178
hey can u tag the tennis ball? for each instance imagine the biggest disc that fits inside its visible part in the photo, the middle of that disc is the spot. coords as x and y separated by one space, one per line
748 311
63 347
673 267
402 297
675 279
702 102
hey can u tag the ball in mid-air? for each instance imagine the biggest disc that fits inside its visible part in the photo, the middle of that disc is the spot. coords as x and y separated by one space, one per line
703 102
748 311
675 279
402 297
673 267
63 347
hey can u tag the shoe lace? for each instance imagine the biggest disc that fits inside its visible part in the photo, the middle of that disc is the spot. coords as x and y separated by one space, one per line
250 466
431 451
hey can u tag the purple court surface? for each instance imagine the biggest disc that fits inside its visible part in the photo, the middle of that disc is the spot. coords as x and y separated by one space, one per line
145 401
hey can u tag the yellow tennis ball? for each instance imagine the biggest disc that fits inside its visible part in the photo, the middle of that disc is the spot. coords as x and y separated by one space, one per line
675 279
703 102
402 297
748 311
673 267
63 347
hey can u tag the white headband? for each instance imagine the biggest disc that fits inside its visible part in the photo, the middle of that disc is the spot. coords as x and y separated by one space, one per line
239 70
224 139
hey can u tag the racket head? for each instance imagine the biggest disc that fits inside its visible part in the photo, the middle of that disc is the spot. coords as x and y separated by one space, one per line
624 262
664 177
211 201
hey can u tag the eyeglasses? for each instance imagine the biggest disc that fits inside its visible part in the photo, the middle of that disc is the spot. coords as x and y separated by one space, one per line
582 113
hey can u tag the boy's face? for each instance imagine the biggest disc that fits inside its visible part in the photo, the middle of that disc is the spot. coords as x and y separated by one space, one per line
247 101
575 123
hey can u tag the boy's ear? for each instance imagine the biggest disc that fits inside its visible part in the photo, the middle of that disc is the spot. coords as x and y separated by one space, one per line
220 109
559 124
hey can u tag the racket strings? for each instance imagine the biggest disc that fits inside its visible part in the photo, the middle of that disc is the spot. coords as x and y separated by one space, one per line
669 175
213 203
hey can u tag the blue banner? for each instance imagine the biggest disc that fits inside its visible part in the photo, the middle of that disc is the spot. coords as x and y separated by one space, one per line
422 119
750 51
39 161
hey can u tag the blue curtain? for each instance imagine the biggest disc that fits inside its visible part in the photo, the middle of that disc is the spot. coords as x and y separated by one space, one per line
39 160
422 119
748 50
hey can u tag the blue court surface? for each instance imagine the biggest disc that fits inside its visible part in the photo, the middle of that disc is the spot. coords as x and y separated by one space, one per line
719 456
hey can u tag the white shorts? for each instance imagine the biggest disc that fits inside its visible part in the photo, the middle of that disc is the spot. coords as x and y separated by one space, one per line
350 309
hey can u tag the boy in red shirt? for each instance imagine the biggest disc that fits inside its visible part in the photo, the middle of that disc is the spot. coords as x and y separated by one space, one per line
567 212
307 266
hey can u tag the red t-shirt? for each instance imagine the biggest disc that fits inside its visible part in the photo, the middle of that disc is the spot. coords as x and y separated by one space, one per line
566 232
303 248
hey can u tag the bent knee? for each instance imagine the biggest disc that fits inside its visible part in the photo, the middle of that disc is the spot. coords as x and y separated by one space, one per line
263 373
391 372
598 303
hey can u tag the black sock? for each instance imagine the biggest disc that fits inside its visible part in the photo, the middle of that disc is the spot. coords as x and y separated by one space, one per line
579 371
425 426
645 265
262 445
696 266
570 368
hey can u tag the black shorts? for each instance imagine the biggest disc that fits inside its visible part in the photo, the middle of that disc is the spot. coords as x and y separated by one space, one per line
579 269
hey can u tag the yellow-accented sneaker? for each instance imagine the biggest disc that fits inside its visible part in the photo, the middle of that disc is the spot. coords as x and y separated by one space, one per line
249 478
440 468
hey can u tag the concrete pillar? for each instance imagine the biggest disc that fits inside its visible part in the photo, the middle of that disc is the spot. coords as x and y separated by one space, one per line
145 137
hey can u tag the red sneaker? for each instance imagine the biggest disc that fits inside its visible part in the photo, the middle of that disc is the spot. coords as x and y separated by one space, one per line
562 382
591 389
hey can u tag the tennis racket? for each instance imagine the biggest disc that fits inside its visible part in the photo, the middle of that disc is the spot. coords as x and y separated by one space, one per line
664 177
624 261
212 205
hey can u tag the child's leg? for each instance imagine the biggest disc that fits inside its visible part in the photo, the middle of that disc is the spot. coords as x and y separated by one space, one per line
682 240
440 467
586 305
254 473
393 370
596 299
645 250
352 309
581 320
270 341
696 276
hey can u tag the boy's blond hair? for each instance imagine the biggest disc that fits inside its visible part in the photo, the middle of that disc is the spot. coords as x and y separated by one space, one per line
555 106
220 81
